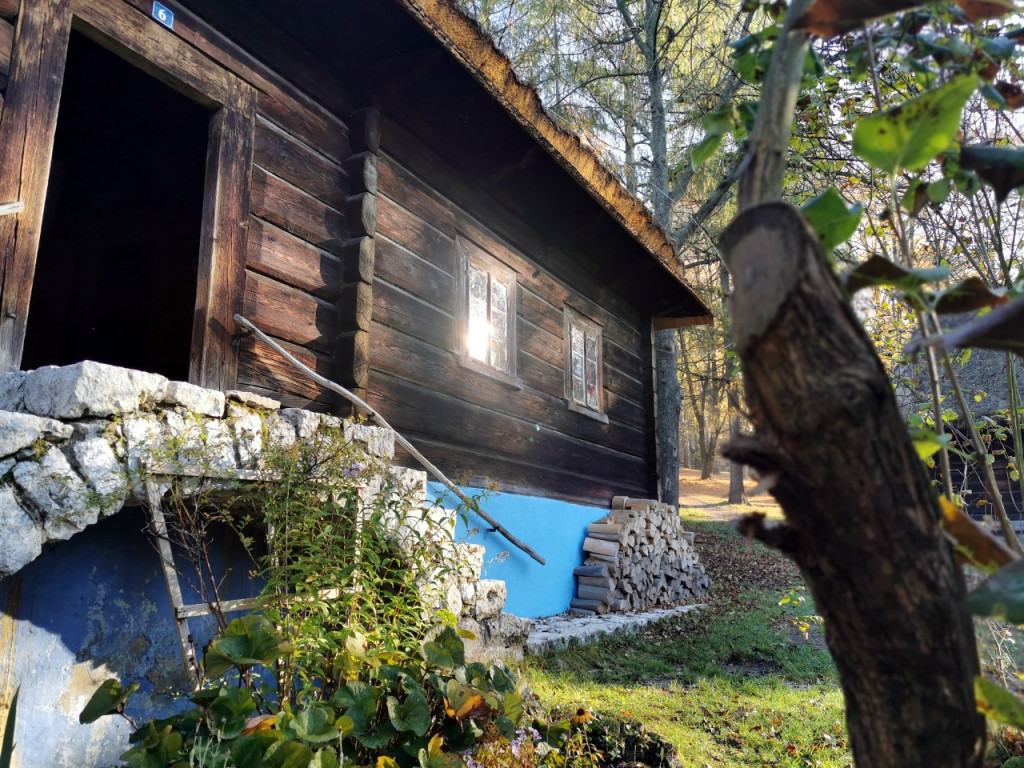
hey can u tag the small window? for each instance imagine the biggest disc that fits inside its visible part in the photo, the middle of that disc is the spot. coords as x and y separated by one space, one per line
487 312
583 365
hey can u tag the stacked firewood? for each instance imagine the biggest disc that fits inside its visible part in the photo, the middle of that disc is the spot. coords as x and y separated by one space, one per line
637 557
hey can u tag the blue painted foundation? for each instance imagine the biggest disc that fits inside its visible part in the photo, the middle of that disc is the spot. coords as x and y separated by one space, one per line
87 609
554 529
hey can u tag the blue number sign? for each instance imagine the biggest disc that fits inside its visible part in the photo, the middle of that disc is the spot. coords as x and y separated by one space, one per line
163 14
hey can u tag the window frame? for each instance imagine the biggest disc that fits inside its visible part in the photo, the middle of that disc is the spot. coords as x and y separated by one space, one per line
468 255
574 318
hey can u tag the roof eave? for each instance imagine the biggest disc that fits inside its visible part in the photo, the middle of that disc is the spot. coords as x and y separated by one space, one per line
467 42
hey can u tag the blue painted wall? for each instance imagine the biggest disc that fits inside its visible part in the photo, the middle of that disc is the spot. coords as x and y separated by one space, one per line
554 529
87 609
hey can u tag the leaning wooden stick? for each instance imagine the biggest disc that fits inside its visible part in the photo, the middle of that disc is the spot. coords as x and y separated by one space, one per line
362 405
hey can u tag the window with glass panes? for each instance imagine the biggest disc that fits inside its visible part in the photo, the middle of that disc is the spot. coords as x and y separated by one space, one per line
583 361
487 310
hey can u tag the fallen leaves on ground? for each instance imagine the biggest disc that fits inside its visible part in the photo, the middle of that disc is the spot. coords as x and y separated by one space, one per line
737 565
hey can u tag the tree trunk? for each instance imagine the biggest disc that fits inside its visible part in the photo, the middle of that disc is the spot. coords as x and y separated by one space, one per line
669 400
707 465
861 516
737 495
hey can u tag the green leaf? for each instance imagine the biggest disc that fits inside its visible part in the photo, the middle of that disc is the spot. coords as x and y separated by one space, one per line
7 750
910 135
721 120
287 754
106 700
413 714
927 443
434 756
442 647
368 732
996 702
249 750
325 758
228 712
157 748
245 642
831 218
703 151
938 191
1001 595
315 725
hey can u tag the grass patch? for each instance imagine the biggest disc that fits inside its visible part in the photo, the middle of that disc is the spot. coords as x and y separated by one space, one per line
732 684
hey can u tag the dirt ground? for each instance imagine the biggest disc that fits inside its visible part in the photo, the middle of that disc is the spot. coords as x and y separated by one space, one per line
708 497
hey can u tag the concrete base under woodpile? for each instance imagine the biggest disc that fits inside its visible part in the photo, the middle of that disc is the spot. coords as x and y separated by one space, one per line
555 632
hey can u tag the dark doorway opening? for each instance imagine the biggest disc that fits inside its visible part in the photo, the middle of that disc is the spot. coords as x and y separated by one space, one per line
116 272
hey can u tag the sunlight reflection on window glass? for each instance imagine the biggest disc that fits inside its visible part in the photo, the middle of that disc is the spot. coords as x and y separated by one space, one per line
479 335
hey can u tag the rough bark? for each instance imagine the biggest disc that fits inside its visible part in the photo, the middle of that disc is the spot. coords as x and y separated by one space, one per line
666 355
707 464
737 494
861 517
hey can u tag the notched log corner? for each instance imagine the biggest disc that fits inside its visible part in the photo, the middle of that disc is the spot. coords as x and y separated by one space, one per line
775 535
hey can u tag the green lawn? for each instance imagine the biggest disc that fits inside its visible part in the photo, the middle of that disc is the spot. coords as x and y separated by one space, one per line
731 684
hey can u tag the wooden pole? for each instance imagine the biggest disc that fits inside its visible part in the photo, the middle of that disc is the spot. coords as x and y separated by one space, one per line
369 411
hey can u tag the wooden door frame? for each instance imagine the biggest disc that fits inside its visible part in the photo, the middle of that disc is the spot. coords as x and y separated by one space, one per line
27 129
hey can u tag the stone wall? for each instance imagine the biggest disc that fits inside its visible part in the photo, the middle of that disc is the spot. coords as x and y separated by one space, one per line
74 442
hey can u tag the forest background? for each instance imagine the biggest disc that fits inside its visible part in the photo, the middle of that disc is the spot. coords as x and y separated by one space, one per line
666 91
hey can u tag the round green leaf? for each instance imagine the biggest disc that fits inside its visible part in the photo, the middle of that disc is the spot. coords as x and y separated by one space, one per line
910 135
831 218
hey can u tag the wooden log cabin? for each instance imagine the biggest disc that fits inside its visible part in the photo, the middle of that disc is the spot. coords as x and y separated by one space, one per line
368 182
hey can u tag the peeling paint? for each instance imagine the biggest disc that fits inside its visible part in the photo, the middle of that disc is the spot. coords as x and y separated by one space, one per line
85 679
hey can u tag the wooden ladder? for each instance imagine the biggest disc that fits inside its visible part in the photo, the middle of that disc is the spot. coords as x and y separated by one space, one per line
158 527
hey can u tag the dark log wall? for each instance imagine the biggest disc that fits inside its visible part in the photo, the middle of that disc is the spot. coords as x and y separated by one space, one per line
525 439
294 210
297 222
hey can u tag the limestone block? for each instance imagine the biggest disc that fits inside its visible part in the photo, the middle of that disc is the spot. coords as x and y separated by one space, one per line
453 597
143 438
208 402
90 389
6 465
306 423
327 421
489 598
248 431
12 390
206 445
252 399
471 560
21 539
20 430
95 460
379 442
280 431
60 495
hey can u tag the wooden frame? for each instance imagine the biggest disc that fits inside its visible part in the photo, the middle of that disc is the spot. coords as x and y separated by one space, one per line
27 132
469 254
574 318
